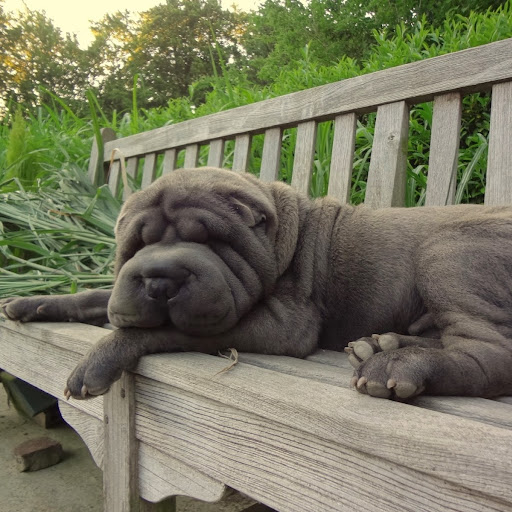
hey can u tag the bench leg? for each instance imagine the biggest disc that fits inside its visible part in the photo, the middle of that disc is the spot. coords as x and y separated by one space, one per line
120 467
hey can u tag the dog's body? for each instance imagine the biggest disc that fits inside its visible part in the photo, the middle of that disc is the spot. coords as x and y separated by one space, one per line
209 259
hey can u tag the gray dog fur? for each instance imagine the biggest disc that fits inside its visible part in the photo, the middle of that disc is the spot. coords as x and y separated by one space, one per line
208 259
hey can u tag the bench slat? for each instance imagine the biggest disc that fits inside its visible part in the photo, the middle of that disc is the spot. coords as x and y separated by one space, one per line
388 164
114 177
169 161
304 156
191 156
475 69
148 173
132 165
422 440
271 156
342 158
95 171
242 151
216 153
444 150
499 163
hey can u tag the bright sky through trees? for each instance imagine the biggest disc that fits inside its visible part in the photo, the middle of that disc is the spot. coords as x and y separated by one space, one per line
74 17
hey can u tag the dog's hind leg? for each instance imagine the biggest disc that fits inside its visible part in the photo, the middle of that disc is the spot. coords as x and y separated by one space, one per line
465 280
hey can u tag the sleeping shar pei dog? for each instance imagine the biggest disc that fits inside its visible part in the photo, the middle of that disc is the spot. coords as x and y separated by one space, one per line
208 259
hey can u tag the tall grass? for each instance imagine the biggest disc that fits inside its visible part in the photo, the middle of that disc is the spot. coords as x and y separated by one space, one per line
57 229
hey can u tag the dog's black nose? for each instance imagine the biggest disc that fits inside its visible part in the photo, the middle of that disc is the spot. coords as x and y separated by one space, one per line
162 287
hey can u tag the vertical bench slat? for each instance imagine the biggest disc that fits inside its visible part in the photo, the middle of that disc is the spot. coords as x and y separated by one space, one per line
216 153
148 173
191 156
499 163
120 471
242 151
342 157
271 156
131 170
304 155
95 171
444 150
114 177
388 166
169 161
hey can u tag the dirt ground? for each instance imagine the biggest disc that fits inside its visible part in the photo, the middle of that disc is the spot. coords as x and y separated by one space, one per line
75 484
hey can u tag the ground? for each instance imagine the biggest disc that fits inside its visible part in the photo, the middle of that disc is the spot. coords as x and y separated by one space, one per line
73 484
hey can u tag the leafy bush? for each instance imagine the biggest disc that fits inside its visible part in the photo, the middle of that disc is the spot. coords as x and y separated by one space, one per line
57 229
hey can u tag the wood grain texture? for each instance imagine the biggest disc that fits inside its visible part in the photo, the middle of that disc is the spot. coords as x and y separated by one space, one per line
271 156
132 166
242 152
287 468
169 161
89 428
444 150
114 177
304 156
95 171
342 158
160 475
388 164
191 156
216 153
499 162
120 462
149 170
400 432
475 69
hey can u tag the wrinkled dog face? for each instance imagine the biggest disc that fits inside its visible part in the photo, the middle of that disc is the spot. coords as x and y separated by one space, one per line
195 250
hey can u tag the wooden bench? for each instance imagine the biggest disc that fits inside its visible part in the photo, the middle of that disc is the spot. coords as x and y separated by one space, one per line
287 432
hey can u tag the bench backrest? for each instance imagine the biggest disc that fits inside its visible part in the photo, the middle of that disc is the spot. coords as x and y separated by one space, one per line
390 93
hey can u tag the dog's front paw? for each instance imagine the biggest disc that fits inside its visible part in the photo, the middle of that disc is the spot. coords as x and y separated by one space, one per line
91 378
24 309
362 349
400 374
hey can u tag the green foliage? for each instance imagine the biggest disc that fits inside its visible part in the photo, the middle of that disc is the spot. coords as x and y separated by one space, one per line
56 228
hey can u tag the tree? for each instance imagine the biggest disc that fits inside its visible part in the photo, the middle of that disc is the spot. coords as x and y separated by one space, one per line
36 56
171 46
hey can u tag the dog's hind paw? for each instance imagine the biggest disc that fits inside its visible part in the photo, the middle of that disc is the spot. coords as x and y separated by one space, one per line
362 349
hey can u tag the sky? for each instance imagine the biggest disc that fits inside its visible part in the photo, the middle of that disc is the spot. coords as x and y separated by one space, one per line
74 17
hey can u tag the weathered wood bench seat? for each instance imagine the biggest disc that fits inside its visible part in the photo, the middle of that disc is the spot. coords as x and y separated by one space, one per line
290 433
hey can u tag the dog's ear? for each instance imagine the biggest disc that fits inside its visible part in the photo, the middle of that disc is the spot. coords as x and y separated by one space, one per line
250 216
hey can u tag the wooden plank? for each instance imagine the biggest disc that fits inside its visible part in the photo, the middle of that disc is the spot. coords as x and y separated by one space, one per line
88 427
422 440
499 162
216 153
287 468
304 156
342 158
191 156
271 156
149 170
114 177
95 171
388 165
42 364
169 161
120 462
444 150
132 166
161 476
242 152
475 69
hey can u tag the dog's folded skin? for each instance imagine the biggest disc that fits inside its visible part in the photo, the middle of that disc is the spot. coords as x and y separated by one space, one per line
209 259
